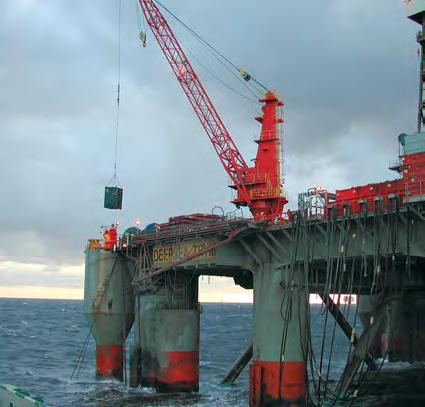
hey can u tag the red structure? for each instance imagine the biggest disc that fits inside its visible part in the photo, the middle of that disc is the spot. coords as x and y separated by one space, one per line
110 238
109 360
263 181
274 380
258 187
409 188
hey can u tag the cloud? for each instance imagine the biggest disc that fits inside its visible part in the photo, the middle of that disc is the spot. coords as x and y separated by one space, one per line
40 275
346 70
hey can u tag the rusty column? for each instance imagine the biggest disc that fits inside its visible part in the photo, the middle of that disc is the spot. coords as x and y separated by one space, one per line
278 371
108 307
166 350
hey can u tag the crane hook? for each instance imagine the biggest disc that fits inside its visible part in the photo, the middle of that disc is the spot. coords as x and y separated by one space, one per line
142 37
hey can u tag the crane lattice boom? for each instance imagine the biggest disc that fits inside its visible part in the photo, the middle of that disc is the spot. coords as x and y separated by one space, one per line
223 144
258 187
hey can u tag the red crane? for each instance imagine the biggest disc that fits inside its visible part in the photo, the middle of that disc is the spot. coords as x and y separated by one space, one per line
258 187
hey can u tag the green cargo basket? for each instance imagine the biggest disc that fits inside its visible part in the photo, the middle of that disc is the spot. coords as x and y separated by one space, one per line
113 198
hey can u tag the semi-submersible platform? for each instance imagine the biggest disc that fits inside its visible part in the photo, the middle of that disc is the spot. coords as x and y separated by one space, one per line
366 240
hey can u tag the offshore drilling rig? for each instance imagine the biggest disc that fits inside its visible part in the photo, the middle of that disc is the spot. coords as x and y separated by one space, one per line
366 240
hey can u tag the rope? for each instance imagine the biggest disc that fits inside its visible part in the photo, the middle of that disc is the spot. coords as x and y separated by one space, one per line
207 44
140 20
219 79
82 354
117 122
141 25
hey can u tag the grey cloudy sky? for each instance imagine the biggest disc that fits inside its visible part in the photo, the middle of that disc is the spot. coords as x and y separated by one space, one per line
347 71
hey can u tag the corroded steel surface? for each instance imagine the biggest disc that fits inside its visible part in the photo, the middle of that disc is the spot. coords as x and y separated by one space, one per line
109 307
165 352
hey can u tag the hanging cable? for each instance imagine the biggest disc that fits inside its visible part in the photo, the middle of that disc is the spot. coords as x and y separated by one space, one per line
141 26
117 122
139 19
257 93
245 76
217 55
213 52
217 78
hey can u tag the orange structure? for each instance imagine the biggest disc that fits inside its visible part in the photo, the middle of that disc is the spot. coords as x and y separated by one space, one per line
110 238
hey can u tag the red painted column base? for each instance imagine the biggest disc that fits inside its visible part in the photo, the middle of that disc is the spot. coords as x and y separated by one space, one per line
181 373
266 378
109 361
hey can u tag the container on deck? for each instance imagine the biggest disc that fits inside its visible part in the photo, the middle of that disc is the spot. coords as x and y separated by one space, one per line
113 198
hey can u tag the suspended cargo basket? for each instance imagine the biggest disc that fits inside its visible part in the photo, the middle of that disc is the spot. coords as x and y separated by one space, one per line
113 198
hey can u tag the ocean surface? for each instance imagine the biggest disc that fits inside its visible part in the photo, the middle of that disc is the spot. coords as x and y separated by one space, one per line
40 341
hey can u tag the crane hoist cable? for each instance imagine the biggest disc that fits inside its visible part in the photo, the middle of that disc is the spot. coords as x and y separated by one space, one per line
249 86
141 26
243 73
216 77
113 191
241 76
258 93
114 179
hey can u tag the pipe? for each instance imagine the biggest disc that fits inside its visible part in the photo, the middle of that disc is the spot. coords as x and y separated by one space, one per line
239 365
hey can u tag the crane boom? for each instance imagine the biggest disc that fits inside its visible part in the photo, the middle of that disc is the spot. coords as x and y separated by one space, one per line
258 187
228 153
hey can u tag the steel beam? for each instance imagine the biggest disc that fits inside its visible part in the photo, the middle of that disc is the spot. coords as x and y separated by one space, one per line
239 365
345 326
179 262
250 251
270 247
361 350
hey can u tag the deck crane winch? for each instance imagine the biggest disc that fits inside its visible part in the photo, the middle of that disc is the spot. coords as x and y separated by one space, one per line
258 187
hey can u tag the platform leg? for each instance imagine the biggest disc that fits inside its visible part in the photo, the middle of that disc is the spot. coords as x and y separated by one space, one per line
405 328
177 334
108 308
144 361
278 371
165 354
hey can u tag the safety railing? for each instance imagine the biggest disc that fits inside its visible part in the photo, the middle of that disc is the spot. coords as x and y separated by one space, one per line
395 164
169 232
414 188
265 193
251 179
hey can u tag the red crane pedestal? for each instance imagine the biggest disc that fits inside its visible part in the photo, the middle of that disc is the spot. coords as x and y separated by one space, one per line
263 182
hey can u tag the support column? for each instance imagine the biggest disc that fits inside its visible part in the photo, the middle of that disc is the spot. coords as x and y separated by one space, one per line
177 336
108 308
166 349
278 371
178 350
144 361
404 335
